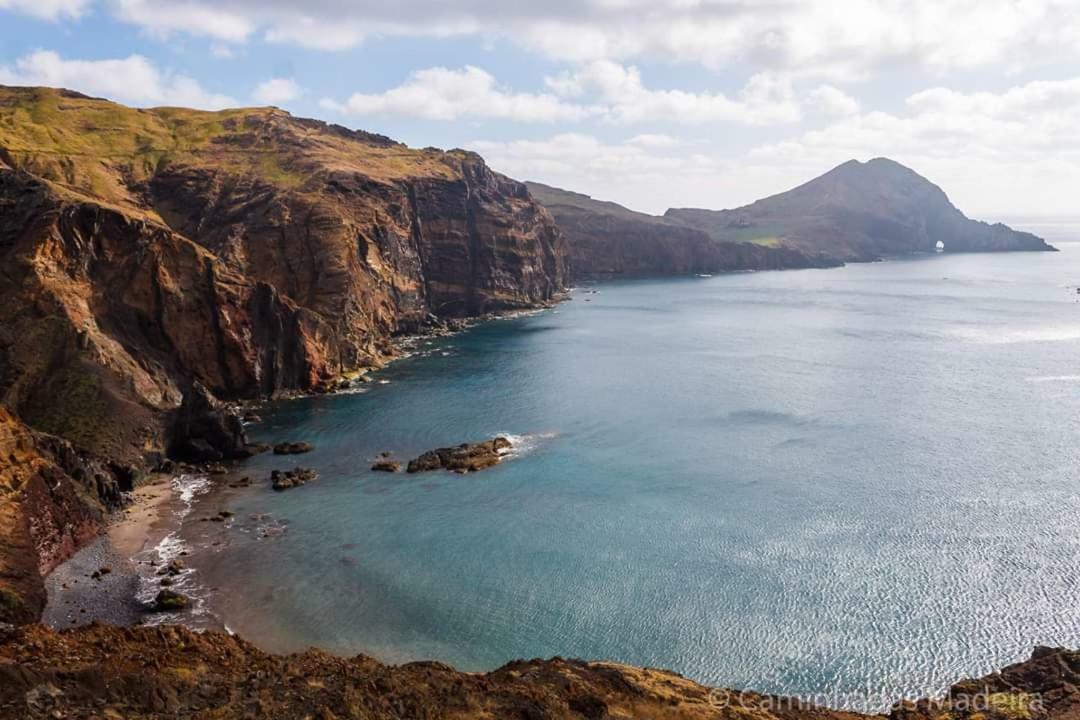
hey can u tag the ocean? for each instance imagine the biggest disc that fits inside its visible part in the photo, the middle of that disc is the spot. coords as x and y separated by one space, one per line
854 484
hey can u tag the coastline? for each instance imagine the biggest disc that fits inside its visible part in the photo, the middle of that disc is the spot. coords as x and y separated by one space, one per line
113 578
76 597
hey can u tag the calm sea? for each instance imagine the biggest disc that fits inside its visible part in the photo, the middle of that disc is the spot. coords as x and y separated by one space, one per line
856 483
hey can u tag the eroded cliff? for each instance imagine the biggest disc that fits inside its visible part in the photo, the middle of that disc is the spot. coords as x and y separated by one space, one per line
248 251
154 263
607 240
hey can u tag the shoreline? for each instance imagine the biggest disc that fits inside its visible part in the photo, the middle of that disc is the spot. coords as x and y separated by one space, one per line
76 597
103 580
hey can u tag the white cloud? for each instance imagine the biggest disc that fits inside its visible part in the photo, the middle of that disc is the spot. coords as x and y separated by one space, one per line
601 90
990 150
445 94
134 80
276 91
209 19
647 179
995 154
811 37
47 9
654 140
765 100
833 101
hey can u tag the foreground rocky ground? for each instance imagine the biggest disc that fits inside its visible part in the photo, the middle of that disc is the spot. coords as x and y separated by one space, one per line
101 671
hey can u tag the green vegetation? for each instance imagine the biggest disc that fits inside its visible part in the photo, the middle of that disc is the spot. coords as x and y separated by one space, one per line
101 149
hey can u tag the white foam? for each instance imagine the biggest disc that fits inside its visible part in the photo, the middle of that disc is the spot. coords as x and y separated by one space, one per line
524 444
1053 378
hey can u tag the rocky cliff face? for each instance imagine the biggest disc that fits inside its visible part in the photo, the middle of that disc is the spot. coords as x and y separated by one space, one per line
156 262
101 671
246 251
606 240
858 212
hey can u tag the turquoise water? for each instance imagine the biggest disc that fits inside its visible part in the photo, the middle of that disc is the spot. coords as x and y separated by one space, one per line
861 483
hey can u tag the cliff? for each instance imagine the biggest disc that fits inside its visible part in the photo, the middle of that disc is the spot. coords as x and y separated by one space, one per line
102 671
858 212
248 252
155 263
606 239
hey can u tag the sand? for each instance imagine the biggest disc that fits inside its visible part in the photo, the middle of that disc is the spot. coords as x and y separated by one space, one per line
76 597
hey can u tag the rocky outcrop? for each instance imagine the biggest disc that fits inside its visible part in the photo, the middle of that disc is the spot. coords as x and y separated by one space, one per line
243 253
53 498
102 671
608 240
467 457
858 212
288 479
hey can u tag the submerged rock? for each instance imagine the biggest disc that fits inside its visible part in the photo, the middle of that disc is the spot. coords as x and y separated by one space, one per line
288 479
293 448
386 465
467 457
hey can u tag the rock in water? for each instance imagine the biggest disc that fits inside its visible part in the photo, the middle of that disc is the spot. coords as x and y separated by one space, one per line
169 601
386 465
288 479
293 448
467 457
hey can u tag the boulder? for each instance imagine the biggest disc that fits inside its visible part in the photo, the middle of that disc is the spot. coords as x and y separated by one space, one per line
288 479
169 601
467 457
386 465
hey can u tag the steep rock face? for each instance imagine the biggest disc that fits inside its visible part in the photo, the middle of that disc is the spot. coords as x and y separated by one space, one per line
247 251
53 498
606 239
858 212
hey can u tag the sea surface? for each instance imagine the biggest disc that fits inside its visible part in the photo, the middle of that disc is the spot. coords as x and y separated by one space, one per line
852 484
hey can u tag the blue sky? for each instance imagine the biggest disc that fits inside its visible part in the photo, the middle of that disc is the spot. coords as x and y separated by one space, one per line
708 103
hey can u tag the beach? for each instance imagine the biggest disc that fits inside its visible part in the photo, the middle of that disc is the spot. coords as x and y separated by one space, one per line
101 582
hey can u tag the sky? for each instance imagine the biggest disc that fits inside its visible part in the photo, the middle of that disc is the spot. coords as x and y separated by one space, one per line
650 103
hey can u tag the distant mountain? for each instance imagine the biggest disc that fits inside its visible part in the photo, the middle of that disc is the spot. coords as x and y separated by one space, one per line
606 239
857 212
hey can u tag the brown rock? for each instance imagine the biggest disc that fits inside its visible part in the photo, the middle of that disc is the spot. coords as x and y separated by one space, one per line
288 479
170 601
467 457
386 465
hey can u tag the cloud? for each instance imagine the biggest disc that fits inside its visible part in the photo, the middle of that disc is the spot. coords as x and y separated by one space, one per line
601 90
833 101
276 91
765 100
47 9
994 153
642 177
444 94
654 140
213 20
989 149
133 80
809 37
